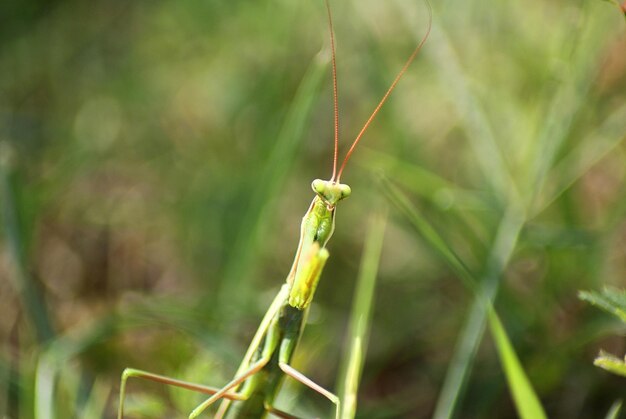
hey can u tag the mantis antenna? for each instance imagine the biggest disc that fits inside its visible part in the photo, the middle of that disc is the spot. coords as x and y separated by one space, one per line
336 177
335 92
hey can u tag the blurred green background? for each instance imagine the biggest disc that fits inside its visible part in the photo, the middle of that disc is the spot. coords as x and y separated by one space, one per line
156 158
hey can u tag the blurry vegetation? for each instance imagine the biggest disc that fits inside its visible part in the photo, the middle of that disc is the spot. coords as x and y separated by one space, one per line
612 301
155 160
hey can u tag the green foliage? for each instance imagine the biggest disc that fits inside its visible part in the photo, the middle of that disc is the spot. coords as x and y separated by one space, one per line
526 401
360 316
611 300
610 363
613 413
156 159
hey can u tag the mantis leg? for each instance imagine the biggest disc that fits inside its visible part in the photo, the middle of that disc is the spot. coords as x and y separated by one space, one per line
256 367
286 350
298 376
131 372
256 341
279 413
271 342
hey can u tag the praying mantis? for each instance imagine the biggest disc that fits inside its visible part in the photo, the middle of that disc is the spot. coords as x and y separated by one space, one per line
251 393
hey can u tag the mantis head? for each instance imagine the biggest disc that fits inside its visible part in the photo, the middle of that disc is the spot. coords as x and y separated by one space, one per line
330 192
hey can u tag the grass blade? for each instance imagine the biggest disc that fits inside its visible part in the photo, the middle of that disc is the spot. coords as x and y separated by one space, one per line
475 120
614 411
500 254
32 300
352 367
526 401
602 141
428 232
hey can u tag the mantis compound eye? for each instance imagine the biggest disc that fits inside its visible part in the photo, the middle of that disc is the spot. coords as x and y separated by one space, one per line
319 186
344 191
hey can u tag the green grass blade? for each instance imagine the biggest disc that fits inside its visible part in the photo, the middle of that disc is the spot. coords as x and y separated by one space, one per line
56 360
44 388
422 182
567 101
95 406
500 254
428 232
526 401
28 290
602 141
614 411
461 362
460 365
475 120
352 367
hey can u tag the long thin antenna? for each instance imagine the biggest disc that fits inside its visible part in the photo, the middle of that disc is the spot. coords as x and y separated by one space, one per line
335 92
393 85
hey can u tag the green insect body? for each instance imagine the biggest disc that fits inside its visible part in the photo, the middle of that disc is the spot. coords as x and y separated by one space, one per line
284 330
262 387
